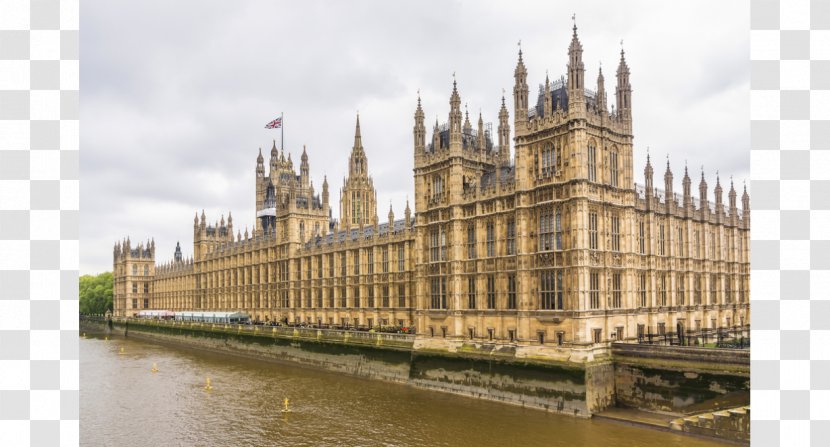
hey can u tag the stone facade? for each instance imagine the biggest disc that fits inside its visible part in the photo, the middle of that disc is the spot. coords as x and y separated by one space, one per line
554 245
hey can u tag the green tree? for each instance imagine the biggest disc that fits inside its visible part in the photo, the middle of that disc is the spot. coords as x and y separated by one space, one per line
95 293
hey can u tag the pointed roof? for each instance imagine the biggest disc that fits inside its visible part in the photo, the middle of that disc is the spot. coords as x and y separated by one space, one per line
274 150
304 157
358 141
259 158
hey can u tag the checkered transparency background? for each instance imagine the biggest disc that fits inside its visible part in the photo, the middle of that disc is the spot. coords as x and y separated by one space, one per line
790 156
39 390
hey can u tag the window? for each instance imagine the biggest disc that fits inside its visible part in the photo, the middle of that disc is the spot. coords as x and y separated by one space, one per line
592 231
356 294
401 295
370 260
594 290
558 228
385 296
471 292
550 290
643 290
546 229
385 259
592 163
471 240
548 161
370 300
597 335
681 290
697 290
713 289
146 303
146 288
343 264
697 244
343 301
642 238
319 298
135 287
491 292
616 290
401 259
357 262
661 241
612 159
511 237
680 241
511 291
437 187
135 303
146 270
615 233
491 239
438 293
663 289
728 292
135 269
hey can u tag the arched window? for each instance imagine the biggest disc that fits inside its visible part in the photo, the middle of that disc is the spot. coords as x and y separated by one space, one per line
592 162
612 167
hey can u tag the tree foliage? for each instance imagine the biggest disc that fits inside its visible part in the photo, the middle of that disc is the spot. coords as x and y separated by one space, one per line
95 293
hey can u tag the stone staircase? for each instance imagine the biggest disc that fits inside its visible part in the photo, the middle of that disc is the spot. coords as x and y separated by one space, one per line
731 424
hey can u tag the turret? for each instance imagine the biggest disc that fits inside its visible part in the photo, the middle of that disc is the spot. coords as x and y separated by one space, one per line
436 137
455 118
718 196
520 92
602 102
304 178
733 200
704 195
687 190
481 143
260 167
408 212
391 217
669 179
274 157
576 75
325 194
177 254
745 207
649 173
504 132
548 105
623 91
468 128
419 131
230 227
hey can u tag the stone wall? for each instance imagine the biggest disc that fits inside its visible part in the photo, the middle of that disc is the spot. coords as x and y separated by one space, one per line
732 424
680 380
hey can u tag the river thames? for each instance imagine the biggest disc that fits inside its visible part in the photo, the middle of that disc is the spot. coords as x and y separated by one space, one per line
124 403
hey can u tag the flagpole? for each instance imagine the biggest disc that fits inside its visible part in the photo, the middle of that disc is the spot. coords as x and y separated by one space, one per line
282 133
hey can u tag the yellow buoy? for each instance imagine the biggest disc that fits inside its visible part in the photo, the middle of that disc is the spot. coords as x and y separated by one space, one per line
208 386
121 351
286 409
106 338
154 368
84 335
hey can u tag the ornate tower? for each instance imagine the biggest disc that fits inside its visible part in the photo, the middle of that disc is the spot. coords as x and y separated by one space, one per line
624 92
358 198
520 92
576 76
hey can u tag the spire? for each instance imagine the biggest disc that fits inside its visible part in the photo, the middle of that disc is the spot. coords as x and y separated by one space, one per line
391 217
304 157
520 91
358 142
733 203
602 104
649 173
669 178
419 131
455 115
407 213
504 127
576 71
718 192
623 88
259 158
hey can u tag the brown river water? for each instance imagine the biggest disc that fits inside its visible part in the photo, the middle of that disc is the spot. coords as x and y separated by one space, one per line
123 403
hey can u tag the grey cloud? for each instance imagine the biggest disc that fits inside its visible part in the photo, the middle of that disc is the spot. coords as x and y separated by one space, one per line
175 95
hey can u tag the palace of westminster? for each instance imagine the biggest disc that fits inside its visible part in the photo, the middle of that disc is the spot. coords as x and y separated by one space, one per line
555 245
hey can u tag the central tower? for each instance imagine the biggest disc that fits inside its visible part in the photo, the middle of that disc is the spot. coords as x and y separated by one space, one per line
358 198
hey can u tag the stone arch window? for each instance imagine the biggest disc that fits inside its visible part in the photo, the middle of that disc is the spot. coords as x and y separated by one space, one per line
146 270
135 269
612 167
548 160
592 161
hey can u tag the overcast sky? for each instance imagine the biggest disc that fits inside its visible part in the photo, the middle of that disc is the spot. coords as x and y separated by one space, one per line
175 95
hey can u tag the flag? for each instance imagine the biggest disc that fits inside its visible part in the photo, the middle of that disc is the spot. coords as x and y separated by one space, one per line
276 124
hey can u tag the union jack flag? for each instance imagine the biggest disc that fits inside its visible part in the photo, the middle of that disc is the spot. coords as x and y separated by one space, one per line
276 124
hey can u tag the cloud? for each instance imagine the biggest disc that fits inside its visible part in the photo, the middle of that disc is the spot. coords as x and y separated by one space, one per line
175 95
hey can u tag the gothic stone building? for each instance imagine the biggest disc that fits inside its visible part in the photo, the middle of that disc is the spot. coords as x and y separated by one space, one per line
555 245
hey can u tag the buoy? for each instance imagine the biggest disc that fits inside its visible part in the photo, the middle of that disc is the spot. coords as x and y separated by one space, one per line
84 335
286 409
106 338
121 351
155 368
208 386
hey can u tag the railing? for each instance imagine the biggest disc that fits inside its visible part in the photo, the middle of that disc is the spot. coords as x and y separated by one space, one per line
296 332
735 337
